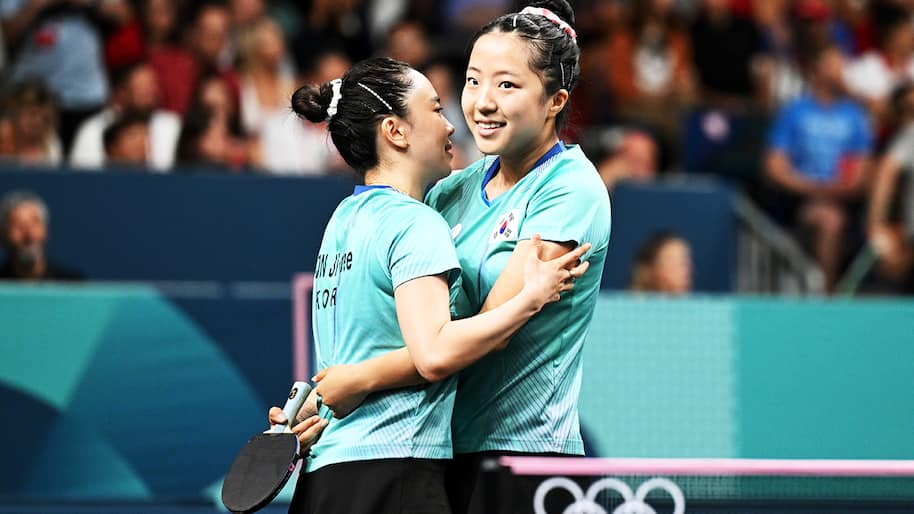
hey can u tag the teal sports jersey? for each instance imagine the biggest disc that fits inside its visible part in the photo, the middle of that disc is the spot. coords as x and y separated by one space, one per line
376 240
525 398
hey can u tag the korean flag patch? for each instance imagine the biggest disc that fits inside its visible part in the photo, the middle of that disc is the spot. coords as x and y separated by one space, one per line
506 228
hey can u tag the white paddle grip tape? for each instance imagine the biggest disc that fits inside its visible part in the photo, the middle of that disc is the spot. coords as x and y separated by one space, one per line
297 396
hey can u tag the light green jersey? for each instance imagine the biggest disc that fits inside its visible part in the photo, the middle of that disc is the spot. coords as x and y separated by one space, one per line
525 398
376 240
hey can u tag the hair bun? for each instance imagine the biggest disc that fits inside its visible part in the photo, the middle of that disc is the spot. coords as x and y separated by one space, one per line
561 8
311 101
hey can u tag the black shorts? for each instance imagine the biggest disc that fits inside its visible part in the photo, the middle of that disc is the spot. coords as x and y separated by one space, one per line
474 490
384 486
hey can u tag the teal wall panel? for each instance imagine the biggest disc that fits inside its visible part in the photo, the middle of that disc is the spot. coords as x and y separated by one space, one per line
758 378
137 401
143 403
826 379
658 378
33 321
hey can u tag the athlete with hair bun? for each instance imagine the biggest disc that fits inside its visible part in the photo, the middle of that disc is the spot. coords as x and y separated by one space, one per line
522 400
387 276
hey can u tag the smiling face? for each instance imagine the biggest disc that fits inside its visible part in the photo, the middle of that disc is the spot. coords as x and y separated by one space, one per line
430 131
504 100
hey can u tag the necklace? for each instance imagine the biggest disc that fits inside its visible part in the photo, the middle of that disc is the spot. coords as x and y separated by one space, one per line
386 186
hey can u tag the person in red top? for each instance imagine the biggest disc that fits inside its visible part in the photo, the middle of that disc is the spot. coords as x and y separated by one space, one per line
179 68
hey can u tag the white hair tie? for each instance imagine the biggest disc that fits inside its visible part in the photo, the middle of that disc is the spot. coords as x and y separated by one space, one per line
337 85
554 18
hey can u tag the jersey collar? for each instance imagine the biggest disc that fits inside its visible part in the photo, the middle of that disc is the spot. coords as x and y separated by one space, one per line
555 150
361 189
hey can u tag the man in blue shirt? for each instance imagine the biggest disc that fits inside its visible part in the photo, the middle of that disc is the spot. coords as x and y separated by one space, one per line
817 152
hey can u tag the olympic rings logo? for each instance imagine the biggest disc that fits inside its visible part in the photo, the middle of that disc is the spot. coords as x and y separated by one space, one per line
586 503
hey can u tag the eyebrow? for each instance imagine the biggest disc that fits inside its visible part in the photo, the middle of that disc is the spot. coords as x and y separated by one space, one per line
496 73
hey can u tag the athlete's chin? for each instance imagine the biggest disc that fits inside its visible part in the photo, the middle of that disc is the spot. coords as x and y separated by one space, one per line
488 145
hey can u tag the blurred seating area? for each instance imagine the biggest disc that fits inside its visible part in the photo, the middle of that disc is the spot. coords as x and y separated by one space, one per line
801 110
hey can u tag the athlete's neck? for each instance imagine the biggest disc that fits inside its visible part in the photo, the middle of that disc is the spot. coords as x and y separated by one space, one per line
514 167
411 185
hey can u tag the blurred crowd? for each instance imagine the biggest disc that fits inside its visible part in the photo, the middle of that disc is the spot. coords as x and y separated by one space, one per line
806 104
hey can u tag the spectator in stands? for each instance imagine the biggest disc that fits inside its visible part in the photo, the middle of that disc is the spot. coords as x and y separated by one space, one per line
819 145
624 155
267 82
58 41
211 47
7 135
174 65
856 17
334 24
891 230
136 91
33 112
214 94
663 264
161 27
599 17
123 35
292 146
24 219
873 76
408 42
126 140
206 141
208 51
648 69
246 13
725 50
818 23
469 15
780 78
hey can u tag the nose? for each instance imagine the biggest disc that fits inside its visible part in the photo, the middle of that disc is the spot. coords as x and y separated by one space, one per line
450 128
484 102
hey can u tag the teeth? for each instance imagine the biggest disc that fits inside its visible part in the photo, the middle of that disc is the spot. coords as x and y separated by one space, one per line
489 125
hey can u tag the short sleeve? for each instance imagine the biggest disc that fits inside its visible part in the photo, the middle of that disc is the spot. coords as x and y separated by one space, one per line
422 247
566 210
862 142
779 136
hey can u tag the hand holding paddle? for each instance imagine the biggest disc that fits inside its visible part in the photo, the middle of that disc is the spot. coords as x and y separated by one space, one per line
265 463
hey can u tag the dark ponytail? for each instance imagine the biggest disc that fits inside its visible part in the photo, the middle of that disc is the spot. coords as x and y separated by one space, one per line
370 91
555 54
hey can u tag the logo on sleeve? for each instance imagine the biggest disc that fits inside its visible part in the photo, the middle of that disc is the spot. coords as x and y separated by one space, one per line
506 228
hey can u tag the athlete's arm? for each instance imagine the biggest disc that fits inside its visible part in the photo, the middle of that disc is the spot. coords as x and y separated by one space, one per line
511 279
437 347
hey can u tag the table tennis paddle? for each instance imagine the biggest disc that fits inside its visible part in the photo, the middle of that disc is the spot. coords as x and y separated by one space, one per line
267 460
